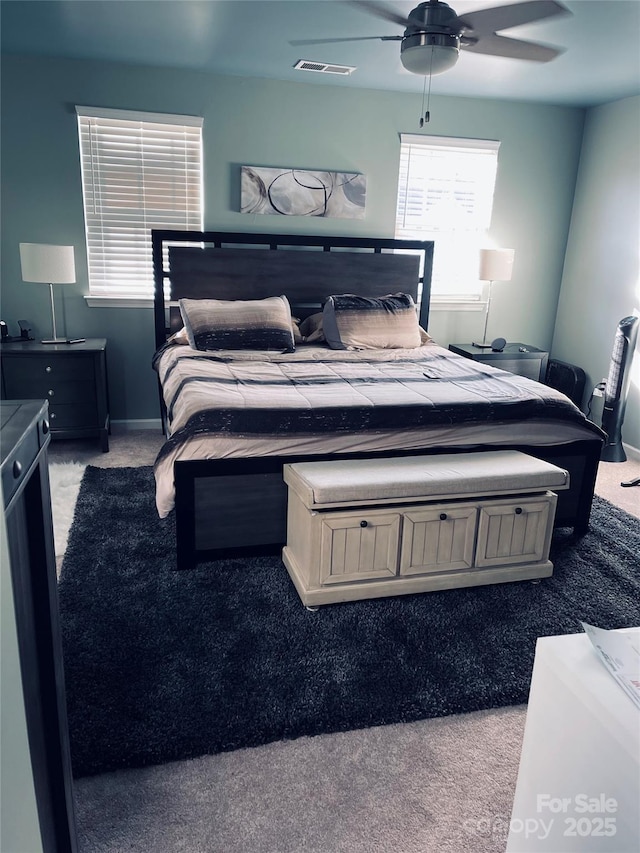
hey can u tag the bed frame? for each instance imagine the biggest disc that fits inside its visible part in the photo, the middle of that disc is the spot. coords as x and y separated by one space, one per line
238 506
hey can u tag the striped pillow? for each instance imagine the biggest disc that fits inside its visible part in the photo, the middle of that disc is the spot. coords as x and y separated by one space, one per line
262 324
364 322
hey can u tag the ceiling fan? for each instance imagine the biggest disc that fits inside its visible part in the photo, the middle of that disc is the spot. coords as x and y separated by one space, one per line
434 34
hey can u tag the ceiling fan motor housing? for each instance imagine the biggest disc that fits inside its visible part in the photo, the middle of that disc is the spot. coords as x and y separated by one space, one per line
431 44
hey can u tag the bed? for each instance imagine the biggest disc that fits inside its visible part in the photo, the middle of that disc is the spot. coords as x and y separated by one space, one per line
233 416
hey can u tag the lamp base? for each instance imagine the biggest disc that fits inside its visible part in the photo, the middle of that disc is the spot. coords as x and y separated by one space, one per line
481 346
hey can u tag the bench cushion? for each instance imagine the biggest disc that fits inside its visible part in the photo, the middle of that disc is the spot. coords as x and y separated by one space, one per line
447 475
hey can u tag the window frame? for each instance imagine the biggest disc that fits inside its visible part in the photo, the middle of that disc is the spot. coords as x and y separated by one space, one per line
190 148
457 298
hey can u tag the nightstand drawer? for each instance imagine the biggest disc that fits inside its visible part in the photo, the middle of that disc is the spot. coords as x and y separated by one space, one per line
49 388
73 416
521 367
521 359
38 369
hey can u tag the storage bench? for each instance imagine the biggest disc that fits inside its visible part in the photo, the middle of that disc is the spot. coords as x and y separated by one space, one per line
365 528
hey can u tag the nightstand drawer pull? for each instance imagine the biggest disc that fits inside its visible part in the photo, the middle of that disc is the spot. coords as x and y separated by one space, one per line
47 369
17 469
52 415
363 524
443 516
518 510
50 392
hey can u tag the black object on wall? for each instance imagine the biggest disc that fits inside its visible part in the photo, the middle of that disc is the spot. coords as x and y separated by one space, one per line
566 378
617 387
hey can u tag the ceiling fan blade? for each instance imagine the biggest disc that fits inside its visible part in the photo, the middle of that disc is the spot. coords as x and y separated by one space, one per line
494 45
505 17
381 10
297 42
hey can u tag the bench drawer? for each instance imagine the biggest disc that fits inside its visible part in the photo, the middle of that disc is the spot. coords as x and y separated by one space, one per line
438 539
515 532
358 546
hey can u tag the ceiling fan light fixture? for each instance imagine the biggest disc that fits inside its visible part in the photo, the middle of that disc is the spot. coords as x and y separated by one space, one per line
429 53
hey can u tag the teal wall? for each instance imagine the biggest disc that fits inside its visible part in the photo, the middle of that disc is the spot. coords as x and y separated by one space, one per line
601 281
271 123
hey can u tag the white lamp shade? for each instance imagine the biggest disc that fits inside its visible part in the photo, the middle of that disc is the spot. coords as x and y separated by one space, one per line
496 264
47 264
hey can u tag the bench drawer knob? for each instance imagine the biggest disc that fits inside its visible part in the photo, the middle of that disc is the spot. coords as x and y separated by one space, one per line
518 510
363 524
443 516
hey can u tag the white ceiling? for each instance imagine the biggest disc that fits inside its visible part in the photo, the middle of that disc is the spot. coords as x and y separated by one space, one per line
248 38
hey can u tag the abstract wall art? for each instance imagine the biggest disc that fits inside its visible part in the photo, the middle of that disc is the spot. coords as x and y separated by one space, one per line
302 192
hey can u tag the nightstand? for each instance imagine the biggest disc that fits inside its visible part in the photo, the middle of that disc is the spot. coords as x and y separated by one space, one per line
519 358
72 377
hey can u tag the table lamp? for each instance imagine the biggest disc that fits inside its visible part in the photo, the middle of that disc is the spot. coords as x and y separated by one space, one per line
495 265
50 265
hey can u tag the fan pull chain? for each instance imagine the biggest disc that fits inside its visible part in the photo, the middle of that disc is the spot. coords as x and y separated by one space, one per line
427 114
424 87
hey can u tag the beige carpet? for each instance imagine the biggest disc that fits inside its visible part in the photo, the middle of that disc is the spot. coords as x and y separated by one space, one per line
435 786
608 484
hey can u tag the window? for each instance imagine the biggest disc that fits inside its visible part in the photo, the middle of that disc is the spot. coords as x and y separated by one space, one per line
139 171
445 194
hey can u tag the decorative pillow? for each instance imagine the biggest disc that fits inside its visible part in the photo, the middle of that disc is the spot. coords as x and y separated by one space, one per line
179 337
311 329
263 324
295 328
365 322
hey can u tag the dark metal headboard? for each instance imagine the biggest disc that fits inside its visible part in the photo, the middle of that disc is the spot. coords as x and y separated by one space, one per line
233 265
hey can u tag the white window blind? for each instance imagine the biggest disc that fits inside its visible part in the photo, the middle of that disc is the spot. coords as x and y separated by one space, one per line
139 171
445 194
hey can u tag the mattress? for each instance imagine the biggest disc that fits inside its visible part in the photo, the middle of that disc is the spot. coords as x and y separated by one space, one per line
228 404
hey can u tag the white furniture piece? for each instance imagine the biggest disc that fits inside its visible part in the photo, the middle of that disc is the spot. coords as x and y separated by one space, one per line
578 784
365 528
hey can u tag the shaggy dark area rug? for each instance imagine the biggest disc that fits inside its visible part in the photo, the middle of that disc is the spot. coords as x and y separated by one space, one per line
163 665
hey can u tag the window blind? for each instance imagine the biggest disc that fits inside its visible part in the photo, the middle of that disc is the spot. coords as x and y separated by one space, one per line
139 171
445 194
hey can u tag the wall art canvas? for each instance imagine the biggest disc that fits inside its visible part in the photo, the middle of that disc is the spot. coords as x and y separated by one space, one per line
302 192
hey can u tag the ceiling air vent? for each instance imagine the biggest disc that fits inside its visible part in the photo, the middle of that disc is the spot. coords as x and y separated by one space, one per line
323 67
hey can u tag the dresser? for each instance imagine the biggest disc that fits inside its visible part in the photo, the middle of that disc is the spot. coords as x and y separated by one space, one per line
71 377
519 358
31 583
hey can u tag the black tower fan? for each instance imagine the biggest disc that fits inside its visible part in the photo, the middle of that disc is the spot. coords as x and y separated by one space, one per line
616 388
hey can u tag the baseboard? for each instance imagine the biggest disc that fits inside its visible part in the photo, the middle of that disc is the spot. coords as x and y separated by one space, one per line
118 427
631 451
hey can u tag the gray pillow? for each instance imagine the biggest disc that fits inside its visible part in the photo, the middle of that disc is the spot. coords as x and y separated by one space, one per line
262 324
367 322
